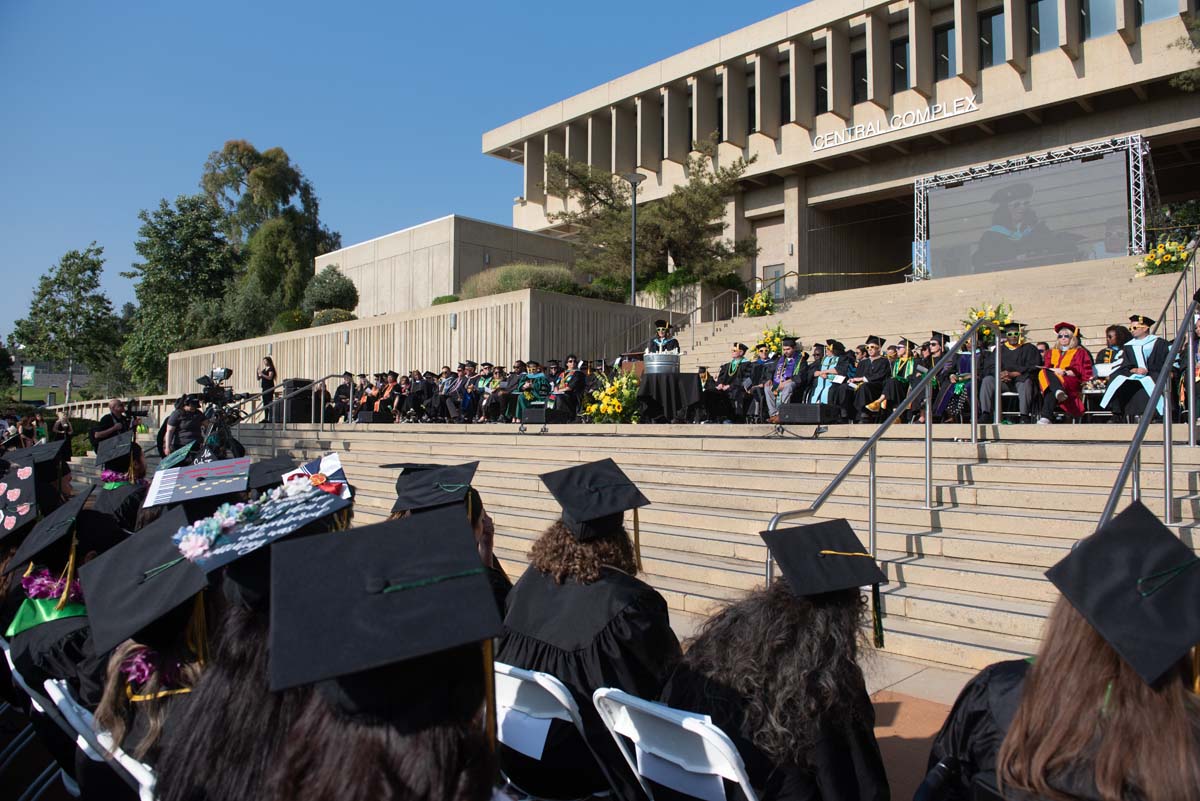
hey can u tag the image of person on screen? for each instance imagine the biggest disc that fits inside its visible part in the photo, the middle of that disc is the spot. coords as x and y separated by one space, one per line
1017 237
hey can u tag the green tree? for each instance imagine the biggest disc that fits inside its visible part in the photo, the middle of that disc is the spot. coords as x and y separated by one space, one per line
1188 80
70 320
187 260
686 227
7 380
329 289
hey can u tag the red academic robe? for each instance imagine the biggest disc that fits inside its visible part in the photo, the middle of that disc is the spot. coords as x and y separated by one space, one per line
1079 362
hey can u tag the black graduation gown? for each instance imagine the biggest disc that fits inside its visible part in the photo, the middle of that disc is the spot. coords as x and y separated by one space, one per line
845 762
1131 396
61 649
123 503
735 378
663 345
614 632
1023 359
876 372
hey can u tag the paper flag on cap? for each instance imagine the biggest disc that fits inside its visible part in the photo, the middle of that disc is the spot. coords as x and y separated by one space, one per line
329 466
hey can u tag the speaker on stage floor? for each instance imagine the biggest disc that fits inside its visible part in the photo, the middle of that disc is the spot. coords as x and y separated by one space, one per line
534 414
808 413
375 417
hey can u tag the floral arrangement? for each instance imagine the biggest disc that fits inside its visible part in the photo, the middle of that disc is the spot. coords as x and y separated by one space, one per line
116 477
615 401
773 337
195 540
41 584
760 304
142 664
998 315
1165 257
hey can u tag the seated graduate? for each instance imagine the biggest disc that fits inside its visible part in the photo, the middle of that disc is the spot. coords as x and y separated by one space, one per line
338 407
1068 366
1020 369
49 634
566 396
1106 710
781 385
534 388
146 607
867 384
954 396
421 488
493 395
123 483
392 627
580 614
1142 359
223 743
829 360
778 672
903 370
733 381
663 341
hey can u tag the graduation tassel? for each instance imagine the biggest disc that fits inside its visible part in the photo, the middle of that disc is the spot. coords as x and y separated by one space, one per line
876 615
637 541
69 576
1196 670
489 689
196 635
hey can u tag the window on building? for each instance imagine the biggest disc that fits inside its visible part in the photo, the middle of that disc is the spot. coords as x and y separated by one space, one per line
899 65
1097 18
1043 26
751 110
1153 10
858 76
945 63
662 129
691 124
720 117
991 38
785 99
821 89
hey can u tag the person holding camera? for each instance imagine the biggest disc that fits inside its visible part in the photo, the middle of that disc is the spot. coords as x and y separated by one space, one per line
184 426
113 423
266 381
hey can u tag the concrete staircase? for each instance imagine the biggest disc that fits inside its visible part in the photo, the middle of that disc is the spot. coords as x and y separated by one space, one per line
1093 295
966 578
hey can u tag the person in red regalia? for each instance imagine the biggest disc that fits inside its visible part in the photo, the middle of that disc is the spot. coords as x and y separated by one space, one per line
1068 366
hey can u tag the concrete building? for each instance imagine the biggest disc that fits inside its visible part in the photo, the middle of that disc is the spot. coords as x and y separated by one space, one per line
406 270
844 105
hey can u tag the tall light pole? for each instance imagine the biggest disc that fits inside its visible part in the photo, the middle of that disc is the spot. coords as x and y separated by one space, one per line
634 178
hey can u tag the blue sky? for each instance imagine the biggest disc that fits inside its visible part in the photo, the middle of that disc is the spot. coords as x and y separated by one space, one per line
110 106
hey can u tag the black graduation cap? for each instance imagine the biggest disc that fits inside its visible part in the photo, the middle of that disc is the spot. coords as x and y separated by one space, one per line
408 467
1011 325
1139 588
109 501
269 472
822 557
49 530
113 452
199 481
392 592
45 457
18 496
876 340
431 486
276 519
939 337
594 497
130 587
1143 319
661 324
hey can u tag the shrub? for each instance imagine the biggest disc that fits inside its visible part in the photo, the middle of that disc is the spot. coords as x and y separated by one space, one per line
511 277
289 320
330 316
440 299
329 289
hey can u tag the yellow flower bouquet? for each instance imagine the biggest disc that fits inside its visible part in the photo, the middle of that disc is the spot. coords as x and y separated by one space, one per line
1165 257
998 315
760 304
615 401
773 338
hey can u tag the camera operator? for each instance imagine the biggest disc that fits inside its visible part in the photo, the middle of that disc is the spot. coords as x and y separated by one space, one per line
113 423
185 425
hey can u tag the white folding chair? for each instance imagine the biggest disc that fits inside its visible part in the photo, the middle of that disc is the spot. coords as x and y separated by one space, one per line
41 705
676 749
98 745
526 702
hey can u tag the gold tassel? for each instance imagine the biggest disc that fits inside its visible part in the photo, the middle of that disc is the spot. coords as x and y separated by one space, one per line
196 635
489 689
28 570
69 575
637 542
1196 670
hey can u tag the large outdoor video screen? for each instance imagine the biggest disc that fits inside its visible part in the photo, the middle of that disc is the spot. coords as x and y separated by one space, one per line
1073 211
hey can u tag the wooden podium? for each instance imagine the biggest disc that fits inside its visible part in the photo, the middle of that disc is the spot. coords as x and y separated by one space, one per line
633 362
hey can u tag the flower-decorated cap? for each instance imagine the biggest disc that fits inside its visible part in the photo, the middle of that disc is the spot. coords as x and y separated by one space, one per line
1140 319
18 496
99 532
131 586
431 486
46 458
594 498
350 611
113 453
1139 588
269 473
822 557
876 340
198 481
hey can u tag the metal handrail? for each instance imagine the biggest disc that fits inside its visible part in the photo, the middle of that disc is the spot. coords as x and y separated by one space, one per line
922 389
774 280
1131 465
1188 271
711 303
288 396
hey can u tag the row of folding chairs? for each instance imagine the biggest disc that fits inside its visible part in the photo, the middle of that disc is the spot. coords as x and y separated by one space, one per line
683 751
58 705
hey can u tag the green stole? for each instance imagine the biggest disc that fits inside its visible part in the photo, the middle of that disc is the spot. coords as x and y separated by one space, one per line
34 612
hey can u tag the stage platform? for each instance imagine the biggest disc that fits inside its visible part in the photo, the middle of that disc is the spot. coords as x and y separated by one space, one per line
966 577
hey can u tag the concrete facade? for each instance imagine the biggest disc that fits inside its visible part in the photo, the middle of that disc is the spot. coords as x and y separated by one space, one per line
838 137
407 269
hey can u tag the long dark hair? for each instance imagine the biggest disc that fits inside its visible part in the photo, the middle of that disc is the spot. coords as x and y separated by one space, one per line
1084 707
222 744
559 554
791 660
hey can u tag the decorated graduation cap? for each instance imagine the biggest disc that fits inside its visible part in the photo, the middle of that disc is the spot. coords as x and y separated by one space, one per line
594 498
49 530
1141 319
326 473
18 496
826 557
876 340
269 473
139 583
86 529
1139 588
176 457
362 616
47 458
434 485
114 452
209 480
